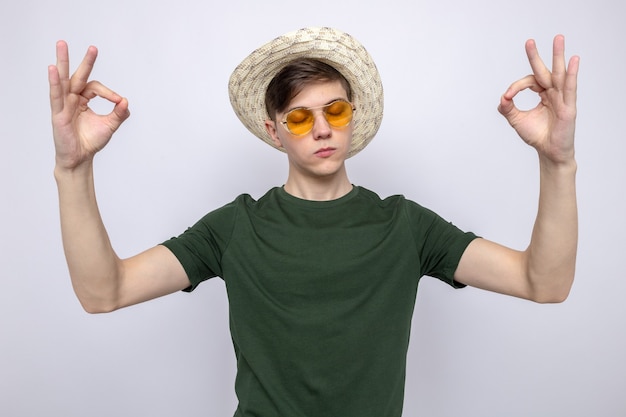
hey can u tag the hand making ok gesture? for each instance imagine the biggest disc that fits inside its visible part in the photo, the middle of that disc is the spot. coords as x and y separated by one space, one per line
550 126
78 131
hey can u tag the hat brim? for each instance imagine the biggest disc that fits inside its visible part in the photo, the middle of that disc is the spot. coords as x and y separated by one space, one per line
248 82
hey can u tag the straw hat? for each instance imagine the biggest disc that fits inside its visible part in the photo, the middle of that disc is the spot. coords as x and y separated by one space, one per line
248 82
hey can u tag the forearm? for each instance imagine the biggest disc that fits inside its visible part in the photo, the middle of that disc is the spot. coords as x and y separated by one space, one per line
551 255
94 267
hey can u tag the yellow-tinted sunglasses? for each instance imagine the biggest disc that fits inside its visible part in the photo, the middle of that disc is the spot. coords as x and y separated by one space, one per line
300 121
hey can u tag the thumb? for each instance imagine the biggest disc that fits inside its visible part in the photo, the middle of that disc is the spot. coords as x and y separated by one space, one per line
507 107
119 114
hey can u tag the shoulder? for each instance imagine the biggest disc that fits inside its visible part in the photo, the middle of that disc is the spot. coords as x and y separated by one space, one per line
242 201
397 202
369 196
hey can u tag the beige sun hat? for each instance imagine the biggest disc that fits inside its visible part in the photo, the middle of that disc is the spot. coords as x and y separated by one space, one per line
248 82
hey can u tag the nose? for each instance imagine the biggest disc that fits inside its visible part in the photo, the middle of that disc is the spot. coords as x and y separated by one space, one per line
321 128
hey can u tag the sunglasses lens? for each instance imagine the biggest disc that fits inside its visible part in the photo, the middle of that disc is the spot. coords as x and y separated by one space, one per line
339 113
300 121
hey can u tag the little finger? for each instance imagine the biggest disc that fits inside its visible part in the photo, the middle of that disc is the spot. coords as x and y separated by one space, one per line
56 90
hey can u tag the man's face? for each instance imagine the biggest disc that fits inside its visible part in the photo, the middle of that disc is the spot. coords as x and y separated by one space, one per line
323 150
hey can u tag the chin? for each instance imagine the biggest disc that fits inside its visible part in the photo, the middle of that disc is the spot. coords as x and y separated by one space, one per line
330 169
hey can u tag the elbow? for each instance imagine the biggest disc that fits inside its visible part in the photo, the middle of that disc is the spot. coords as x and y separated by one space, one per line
93 309
96 305
555 298
96 299
553 295
96 308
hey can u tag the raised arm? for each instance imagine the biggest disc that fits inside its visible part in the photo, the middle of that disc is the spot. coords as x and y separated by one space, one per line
101 280
544 272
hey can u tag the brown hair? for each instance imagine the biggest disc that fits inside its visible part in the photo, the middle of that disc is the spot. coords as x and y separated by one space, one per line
292 78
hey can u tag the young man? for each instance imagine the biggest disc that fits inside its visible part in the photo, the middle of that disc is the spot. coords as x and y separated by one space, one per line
321 275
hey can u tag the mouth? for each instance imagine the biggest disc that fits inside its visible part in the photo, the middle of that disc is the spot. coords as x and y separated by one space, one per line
325 152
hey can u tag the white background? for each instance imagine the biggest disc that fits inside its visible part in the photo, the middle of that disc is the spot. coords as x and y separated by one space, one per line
444 66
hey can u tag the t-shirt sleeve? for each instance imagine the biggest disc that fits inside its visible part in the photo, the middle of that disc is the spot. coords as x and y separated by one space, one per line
440 243
201 247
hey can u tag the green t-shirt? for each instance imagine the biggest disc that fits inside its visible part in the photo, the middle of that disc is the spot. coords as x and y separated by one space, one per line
321 296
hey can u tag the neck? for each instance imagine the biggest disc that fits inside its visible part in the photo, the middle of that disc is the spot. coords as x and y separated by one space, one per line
324 188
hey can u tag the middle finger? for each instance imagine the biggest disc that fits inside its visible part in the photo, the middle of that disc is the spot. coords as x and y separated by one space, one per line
541 72
81 76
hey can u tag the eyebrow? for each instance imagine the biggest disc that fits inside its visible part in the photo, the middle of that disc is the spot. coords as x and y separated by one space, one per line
316 107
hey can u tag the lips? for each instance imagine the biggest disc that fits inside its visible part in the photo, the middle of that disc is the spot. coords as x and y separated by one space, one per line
325 152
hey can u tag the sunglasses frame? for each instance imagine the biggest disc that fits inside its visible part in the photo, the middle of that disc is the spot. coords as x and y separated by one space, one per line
325 106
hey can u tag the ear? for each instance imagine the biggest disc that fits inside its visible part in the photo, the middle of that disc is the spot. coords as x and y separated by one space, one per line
270 127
